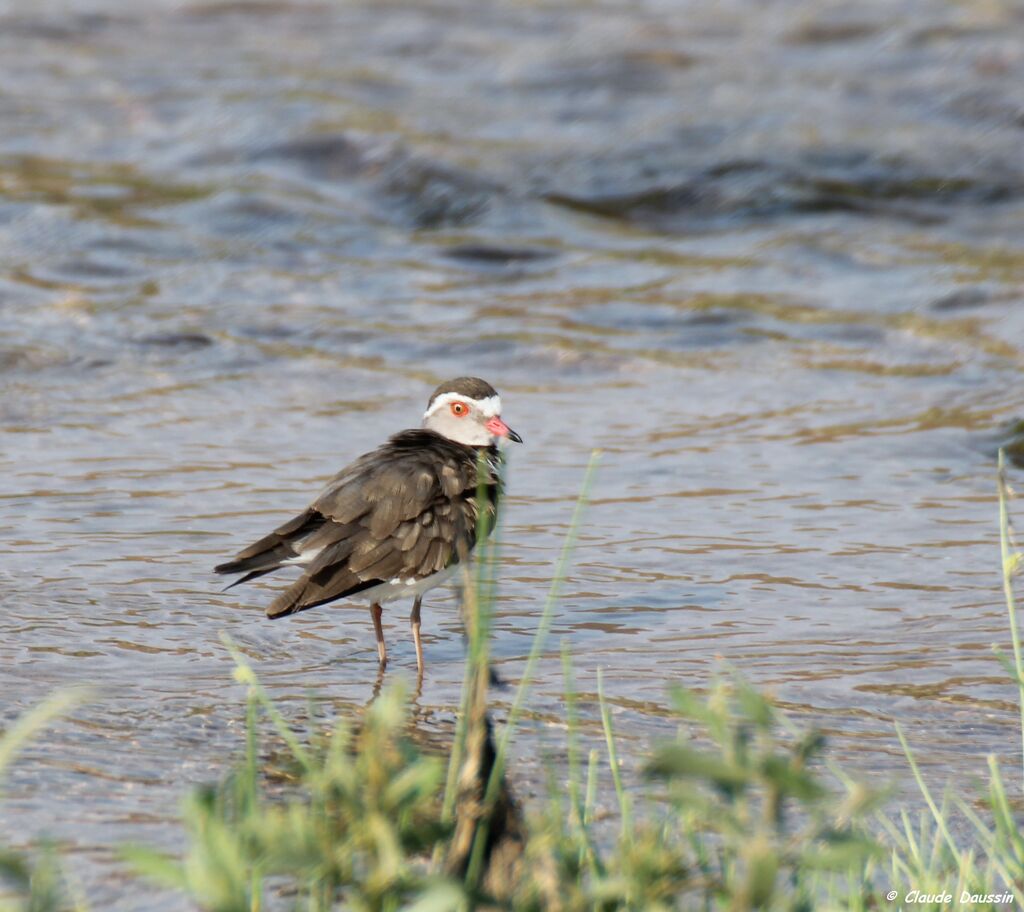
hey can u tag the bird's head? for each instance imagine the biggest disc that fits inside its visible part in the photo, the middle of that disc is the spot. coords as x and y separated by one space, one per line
467 410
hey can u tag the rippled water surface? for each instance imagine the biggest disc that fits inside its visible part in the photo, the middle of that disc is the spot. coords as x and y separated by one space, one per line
768 257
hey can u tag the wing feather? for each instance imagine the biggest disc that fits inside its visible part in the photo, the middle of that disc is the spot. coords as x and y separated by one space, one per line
406 510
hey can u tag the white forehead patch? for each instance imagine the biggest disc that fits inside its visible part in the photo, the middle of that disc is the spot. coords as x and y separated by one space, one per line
488 407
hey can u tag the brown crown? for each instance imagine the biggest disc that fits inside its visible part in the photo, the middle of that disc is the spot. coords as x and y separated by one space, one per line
470 387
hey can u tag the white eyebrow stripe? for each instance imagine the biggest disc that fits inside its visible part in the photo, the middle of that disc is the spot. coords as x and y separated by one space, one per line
489 407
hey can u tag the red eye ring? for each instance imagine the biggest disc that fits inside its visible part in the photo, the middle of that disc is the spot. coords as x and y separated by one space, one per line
459 409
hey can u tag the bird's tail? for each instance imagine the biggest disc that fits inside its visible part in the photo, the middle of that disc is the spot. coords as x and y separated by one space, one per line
272 551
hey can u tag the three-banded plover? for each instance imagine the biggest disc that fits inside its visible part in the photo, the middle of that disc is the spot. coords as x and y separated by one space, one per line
397 521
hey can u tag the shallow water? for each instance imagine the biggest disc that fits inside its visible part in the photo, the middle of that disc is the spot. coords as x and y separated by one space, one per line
767 257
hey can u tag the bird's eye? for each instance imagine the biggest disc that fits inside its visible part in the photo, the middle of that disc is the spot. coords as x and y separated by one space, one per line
459 409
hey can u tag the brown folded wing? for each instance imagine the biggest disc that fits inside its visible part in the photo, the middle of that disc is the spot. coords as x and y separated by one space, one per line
405 511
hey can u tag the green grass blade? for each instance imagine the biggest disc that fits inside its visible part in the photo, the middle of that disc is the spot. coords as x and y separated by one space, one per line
1008 564
940 820
244 674
30 723
613 757
537 647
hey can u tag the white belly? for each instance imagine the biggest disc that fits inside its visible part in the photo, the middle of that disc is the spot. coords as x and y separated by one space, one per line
399 588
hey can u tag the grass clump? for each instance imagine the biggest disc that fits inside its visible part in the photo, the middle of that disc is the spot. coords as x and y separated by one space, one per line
361 809
741 823
733 817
